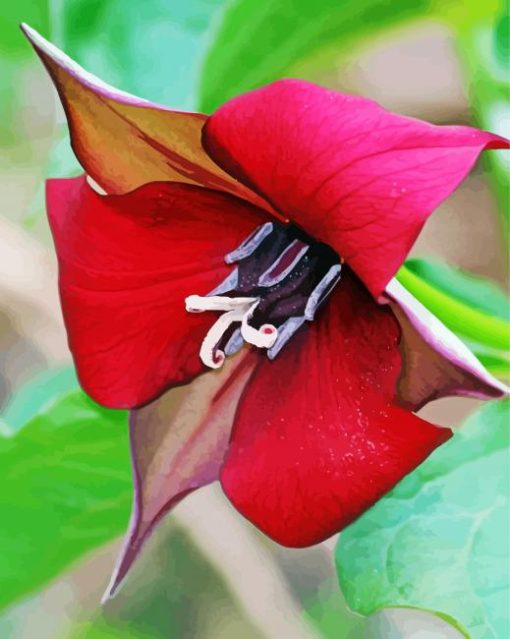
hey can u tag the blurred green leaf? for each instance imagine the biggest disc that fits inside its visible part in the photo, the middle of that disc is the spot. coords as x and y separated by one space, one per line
440 539
152 49
329 614
477 292
67 489
502 35
14 53
407 622
457 313
61 163
484 49
258 43
496 364
101 629
34 12
174 592
35 395
467 305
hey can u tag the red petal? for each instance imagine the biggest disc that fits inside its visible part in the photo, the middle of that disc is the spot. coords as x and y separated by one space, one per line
126 264
349 172
318 438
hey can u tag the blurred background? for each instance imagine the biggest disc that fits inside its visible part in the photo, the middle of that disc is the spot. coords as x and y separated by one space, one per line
206 573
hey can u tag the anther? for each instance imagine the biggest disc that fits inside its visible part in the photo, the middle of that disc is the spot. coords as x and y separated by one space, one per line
282 278
210 354
322 290
229 283
249 245
285 263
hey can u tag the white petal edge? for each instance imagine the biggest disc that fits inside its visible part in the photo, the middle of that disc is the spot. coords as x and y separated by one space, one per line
85 77
95 186
472 378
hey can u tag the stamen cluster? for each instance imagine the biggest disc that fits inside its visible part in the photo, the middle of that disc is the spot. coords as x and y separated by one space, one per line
282 277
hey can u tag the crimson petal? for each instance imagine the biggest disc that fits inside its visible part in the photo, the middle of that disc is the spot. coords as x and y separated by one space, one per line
126 264
318 438
352 174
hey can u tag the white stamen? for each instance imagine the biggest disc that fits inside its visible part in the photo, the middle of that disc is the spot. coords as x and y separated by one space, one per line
263 337
199 303
250 244
320 292
210 354
236 310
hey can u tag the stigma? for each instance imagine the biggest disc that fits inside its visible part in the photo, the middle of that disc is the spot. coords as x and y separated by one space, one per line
281 278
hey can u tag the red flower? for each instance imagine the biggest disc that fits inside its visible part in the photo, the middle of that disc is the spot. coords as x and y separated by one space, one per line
280 220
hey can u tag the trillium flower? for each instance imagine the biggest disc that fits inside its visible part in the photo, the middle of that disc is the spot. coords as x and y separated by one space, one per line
272 229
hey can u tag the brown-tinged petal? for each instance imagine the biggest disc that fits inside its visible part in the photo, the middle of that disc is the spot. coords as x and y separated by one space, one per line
436 363
123 141
178 444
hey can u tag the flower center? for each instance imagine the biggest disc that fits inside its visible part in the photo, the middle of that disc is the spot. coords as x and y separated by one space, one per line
282 277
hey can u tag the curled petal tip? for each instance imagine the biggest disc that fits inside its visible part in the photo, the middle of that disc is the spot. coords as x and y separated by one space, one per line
124 141
436 362
178 444
57 61
127 557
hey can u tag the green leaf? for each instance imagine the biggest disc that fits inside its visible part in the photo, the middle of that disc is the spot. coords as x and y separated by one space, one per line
61 163
152 49
14 54
101 629
502 36
458 315
35 395
495 364
258 43
66 490
439 540
406 622
476 292
484 49
35 12
468 305
330 616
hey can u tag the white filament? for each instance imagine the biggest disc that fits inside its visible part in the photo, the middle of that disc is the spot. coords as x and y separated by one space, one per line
235 310
199 304
210 354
